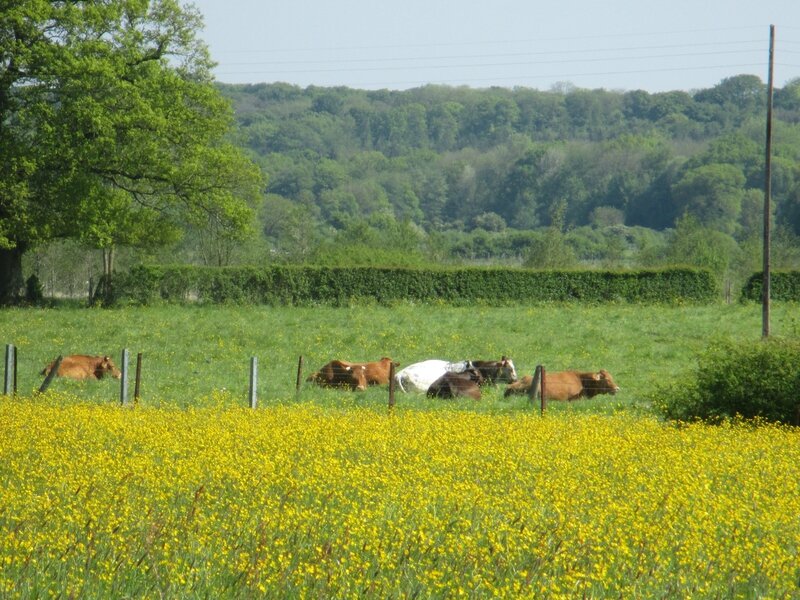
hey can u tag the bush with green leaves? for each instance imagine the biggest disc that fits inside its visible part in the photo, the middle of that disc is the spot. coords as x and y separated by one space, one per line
783 285
759 380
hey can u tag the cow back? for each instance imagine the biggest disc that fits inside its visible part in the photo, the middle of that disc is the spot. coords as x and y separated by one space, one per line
84 366
454 385
337 373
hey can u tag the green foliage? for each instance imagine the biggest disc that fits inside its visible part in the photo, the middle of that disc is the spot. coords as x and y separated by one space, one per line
712 193
340 285
783 285
703 247
34 293
112 131
443 157
732 379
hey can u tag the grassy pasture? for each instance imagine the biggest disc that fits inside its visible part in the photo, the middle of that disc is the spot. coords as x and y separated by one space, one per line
329 496
199 355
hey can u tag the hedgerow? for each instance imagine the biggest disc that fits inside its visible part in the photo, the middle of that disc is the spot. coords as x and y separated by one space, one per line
285 285
783 285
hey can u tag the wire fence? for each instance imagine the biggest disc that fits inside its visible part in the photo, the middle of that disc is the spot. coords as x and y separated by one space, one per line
10 379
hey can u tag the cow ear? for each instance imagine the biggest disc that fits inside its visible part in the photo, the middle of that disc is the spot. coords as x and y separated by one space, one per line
597 376
106 358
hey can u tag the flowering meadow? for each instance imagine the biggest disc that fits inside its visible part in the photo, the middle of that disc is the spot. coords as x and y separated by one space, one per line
311 501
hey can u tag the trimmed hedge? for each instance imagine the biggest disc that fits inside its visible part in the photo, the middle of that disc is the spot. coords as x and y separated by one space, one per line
290 285
783 285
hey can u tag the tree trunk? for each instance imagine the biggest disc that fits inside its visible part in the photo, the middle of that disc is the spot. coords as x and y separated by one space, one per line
11 280
104 292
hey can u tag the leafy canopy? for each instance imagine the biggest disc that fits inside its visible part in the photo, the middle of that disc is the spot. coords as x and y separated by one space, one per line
110 128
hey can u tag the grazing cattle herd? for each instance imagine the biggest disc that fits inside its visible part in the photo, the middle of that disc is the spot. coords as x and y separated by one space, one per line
445 379
436 378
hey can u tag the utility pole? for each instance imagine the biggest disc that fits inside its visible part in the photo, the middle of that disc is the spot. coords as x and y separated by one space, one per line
765 287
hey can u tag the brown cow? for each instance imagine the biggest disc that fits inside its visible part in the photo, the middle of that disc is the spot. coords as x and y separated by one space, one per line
568 385
452 385
376 373
338 373
83 366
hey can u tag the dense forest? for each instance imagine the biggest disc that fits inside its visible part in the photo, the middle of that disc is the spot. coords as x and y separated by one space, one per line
566 177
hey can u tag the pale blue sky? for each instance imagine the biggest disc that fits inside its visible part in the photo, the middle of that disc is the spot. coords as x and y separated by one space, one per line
616 44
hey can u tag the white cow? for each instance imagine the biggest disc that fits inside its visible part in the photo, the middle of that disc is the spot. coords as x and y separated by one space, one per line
418 377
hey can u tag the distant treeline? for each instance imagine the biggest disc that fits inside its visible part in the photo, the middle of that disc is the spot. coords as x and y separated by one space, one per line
461 158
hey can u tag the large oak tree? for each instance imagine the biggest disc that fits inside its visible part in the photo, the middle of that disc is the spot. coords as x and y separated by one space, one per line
111 130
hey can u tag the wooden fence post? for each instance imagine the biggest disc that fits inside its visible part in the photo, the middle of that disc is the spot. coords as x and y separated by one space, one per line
542 389
138 381
123 384
253 380
10 369
534 384
391 385
299 381
16 364
50 375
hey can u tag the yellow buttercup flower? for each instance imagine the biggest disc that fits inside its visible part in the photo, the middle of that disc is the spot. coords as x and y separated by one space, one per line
298 501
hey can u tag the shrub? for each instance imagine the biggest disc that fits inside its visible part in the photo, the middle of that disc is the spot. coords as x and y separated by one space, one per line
759 380
783 285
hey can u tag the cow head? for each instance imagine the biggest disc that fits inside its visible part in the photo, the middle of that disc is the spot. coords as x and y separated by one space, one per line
106 366
359 377
507 372
603 383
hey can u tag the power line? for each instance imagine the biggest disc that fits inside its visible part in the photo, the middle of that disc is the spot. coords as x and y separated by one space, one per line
483 65
538 59
593 51
497 42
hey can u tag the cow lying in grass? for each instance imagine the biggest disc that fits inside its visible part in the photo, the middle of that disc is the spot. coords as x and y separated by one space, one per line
568 385
83 366
356 376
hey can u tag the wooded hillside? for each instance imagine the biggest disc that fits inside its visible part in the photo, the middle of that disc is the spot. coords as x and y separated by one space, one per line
460 173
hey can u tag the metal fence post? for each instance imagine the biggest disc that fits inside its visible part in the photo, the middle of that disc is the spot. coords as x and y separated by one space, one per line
123 386
8 385
253 380
9 369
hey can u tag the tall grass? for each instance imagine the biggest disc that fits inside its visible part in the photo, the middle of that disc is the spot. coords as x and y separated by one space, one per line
194 356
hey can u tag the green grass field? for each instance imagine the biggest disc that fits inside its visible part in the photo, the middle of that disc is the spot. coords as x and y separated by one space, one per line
330 495
191 354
